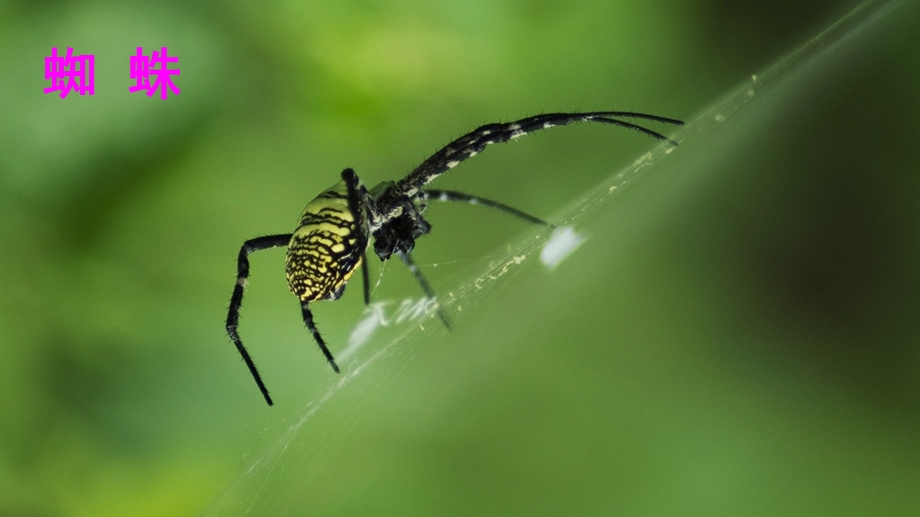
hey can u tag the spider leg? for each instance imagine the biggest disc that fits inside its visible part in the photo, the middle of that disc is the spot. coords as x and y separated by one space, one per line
367 279
308 320
474 142
233 315
361 204
407 259
452 195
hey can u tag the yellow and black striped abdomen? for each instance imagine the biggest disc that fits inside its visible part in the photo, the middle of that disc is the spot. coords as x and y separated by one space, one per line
326 247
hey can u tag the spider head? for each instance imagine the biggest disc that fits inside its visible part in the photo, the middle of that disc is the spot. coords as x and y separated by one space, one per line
399 233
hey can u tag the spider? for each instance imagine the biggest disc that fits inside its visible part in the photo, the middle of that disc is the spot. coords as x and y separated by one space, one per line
335 229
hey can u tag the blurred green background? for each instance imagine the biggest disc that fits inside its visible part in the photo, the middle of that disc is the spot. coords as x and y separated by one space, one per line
736 338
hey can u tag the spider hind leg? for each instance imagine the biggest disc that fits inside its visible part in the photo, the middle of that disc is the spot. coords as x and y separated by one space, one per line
236 301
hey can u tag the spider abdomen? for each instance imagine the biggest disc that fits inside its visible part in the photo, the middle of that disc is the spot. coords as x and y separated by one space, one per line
324 249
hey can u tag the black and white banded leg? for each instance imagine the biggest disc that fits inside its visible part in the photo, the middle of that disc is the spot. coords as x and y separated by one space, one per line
454 196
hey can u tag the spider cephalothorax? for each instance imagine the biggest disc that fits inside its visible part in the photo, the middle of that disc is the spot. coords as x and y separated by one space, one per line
335 229
398 233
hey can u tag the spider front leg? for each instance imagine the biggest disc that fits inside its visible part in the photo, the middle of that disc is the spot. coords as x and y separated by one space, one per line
475 142
233 315
454 196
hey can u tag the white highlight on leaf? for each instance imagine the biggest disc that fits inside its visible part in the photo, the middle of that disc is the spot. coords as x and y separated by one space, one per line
562 243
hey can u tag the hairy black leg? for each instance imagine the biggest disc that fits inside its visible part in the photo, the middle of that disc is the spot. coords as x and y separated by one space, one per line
308 320
474 142
233 315
452 195
362 206
429 293
360 203
367 279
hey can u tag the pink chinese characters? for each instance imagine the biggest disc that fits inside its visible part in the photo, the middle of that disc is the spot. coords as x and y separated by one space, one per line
69 72
156 65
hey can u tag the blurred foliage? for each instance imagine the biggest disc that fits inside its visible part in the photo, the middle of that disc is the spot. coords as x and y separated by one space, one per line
749 336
